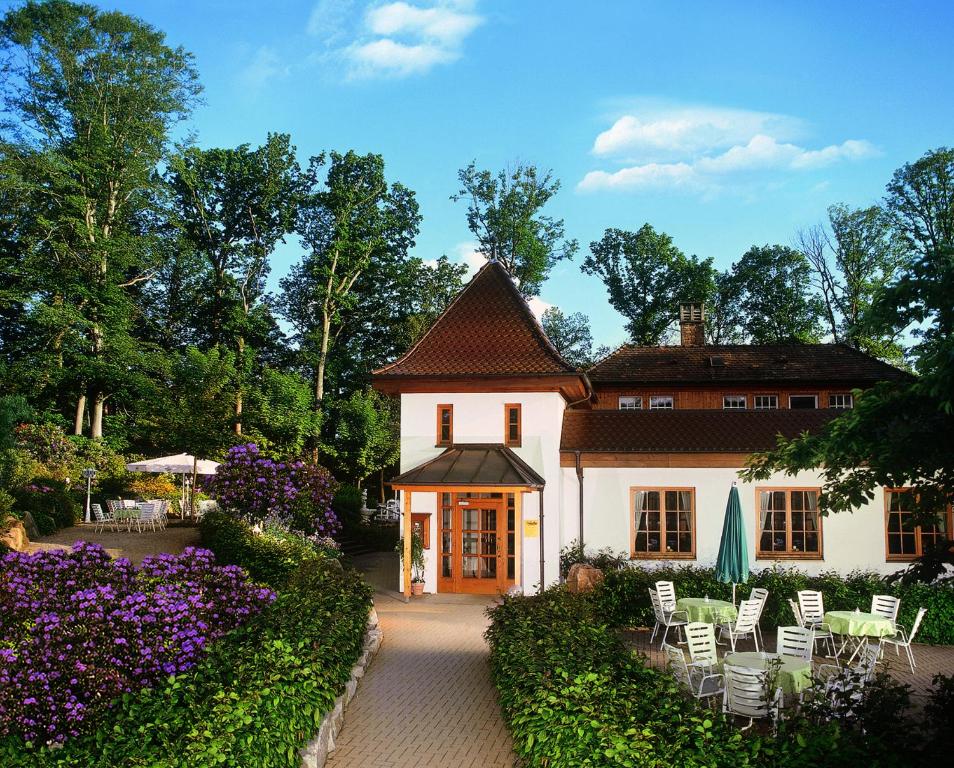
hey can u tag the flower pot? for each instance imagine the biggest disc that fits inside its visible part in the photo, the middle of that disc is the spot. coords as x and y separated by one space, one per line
417 588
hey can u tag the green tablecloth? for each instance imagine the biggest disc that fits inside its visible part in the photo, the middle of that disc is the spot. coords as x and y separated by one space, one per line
713 612
858 624
794 675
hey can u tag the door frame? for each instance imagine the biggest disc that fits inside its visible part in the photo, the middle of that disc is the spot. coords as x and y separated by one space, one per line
457 583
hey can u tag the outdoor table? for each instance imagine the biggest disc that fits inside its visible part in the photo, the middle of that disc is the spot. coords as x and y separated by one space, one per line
794 674
858 624
710 612
126 515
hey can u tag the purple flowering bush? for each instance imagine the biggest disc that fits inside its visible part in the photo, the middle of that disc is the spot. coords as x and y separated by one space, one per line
291 495
78 629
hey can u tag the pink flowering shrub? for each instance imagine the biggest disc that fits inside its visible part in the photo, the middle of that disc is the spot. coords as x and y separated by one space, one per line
78 629
291 495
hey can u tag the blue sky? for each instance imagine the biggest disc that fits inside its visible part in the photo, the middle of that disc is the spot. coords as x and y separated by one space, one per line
723 124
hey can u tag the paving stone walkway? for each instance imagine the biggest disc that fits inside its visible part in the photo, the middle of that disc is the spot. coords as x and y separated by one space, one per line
426 699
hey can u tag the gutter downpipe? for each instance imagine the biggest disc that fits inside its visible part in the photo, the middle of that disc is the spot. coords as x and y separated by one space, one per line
579 477
542 576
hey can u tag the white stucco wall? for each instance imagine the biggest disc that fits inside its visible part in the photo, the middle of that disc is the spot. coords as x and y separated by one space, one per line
479 418
850 540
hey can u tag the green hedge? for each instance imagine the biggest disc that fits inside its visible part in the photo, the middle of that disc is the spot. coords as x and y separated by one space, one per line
269 558
624 595
255 700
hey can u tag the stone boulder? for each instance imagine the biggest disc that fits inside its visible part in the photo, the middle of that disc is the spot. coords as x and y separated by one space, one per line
15 537
31 530
583 577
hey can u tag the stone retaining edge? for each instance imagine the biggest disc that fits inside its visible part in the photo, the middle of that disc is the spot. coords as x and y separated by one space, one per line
315 753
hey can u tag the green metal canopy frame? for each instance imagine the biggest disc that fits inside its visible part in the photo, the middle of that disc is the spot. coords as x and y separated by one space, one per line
732 564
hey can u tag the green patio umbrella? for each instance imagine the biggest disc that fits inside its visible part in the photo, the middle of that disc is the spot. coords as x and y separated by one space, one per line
733 561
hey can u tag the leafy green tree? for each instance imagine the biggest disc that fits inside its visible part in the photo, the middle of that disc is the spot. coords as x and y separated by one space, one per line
93 96
853 259
367 438
572 337
723 311
920 201
775 303
280 412
504 214
646 277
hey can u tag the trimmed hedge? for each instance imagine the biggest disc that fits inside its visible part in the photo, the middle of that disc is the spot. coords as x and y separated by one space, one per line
572 695
255 700
624 595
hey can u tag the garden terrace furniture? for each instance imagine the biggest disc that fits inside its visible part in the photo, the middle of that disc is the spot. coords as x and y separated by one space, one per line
747 695
126 516
794 674
845 687
811 614
664 618
902 640
700 637
761 595
855 626
706 610
148 516
100 518
667 594
795 641
885 605
745 624
700 685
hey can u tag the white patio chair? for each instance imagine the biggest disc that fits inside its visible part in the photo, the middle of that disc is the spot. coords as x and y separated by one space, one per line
761 595
392 510
699 684
162 513
101 519
747 695
129 503
886 605
667 594
745 624
701 639
148 515
666 618
900 639
795 641
811 614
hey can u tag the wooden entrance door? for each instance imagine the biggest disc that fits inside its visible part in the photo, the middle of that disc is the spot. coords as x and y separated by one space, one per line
476 542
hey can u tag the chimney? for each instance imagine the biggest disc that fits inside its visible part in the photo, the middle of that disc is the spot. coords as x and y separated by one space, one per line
692 324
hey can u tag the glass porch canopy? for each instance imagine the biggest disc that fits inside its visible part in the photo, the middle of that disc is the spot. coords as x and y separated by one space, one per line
472 464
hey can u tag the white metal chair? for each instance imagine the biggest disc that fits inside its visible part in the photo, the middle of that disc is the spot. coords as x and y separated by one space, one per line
761 595
667 594
900 639
746 624
148 517
101 519
795 641
747 694
664 618
700 684
811 614
887 606
701 639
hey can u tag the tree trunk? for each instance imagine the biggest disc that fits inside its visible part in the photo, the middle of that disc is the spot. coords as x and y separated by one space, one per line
96 420
238 392
80 414
381 496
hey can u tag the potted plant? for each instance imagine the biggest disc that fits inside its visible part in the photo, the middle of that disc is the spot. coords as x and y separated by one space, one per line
417 561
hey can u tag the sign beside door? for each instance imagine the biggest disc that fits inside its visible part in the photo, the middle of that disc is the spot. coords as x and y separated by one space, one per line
531 529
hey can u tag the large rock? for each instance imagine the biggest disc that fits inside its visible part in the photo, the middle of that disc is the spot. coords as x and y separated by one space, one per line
16 537
31 530
583 577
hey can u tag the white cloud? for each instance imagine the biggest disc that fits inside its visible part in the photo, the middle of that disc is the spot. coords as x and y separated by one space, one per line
329 20
705 149
538 306
266 65
467 253
388 57
445 24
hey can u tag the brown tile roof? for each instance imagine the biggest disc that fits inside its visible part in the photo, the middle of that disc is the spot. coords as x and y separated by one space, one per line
488 330
741 363
473 464
687 431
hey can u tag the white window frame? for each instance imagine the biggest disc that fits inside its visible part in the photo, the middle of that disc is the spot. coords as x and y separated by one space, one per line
847 400
634 403
654 406
727 407
757 407
802 409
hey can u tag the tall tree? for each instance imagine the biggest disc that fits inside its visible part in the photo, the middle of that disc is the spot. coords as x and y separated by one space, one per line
93 96
723 312
920 201
853 259
646 277
775 301
233 207
349 220
504 214
572 337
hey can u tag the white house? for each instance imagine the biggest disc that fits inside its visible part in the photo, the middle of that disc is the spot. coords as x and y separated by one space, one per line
509 454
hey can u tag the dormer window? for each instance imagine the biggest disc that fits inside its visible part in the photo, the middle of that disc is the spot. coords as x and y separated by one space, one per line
734 402
513 431
660 402
445 424
802 402
840 401
630 403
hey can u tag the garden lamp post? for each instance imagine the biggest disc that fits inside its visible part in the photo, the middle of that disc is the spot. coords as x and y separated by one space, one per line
89 474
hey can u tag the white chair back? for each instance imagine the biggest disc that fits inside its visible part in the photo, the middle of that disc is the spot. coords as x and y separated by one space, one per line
701 640
677 663
658 611
113 504
128 503
796 613
759 593
97 510
812 606
667 594
147 511
867 661
795 641
746 692
917 624
749 611
885 605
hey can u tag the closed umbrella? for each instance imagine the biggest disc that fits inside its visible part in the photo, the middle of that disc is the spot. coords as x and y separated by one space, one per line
733 561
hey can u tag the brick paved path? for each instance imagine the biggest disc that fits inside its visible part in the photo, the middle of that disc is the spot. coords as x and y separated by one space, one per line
426 699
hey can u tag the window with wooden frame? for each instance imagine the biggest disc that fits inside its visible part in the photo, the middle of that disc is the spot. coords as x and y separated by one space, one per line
445 424
788 525
802 402
840 400
660 402
630 403
663 523
904 540
513 430
421 523
765 402
734 402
